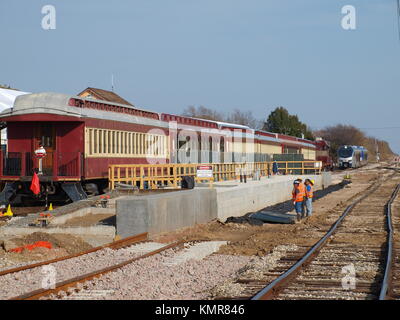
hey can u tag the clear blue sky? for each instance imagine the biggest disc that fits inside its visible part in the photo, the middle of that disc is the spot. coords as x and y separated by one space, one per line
223 54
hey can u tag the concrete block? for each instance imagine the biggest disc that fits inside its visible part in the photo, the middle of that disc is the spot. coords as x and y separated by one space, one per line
175 210
132 216
164 212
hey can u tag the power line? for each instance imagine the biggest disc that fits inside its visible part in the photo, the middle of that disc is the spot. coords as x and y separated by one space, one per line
371 128
377 128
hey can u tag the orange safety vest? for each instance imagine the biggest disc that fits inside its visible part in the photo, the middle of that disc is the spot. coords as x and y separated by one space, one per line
297 194
302 188
310 193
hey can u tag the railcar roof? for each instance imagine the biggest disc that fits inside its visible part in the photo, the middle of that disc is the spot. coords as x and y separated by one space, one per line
61 102
232 125
52 100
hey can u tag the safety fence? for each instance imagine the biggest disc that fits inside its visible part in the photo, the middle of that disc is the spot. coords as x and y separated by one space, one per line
154 176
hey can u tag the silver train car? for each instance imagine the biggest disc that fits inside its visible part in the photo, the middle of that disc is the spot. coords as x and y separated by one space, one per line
352 156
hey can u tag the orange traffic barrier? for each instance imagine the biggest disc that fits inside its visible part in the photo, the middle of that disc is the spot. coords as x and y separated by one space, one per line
45 215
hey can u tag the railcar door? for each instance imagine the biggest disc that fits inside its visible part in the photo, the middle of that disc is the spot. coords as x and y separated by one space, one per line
45 135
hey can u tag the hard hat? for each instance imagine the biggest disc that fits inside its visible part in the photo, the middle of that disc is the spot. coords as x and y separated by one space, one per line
312 182
296 182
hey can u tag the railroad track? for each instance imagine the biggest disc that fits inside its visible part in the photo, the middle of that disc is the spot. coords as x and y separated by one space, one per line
394 289
355 259
113 245
296 285
352 261
75 284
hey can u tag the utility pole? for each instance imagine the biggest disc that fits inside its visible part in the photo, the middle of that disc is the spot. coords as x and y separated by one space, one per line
377 150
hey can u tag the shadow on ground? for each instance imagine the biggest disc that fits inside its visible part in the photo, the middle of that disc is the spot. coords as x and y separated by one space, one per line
284 207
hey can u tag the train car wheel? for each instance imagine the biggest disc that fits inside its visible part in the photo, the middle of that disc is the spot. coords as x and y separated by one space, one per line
91 189
187 182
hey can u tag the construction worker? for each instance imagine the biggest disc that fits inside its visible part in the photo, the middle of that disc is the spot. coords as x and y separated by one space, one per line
309 196
302 188
298 199
275 169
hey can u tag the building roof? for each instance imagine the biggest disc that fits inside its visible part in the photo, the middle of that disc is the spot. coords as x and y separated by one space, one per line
101 94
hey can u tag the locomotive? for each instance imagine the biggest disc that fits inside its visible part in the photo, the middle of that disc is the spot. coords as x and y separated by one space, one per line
352 156
83 136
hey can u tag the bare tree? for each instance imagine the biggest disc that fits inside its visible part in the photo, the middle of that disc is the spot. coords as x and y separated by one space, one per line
203 113
349 135
244 118
237 116
342 134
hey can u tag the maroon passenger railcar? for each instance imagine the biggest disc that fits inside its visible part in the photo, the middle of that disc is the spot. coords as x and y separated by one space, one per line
82 137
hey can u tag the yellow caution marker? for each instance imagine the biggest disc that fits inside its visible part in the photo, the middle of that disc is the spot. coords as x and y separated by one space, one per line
51 207
9 213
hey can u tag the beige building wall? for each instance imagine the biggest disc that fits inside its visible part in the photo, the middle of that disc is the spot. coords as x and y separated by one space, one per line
309 154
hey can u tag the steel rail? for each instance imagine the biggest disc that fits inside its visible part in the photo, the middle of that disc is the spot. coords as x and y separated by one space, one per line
113 245
385 289
70 283
274 287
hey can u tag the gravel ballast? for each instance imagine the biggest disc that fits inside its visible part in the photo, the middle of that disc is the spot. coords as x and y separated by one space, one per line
154 278
15 284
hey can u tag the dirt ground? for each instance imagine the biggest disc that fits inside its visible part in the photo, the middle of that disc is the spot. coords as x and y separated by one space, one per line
246 239
62 245
91 220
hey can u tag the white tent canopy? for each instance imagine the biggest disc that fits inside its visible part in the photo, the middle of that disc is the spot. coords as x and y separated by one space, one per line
7 98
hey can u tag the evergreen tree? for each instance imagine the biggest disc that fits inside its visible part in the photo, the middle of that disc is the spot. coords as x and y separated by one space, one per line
280 121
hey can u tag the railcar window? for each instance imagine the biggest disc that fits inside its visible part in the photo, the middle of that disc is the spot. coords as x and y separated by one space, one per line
109 142
142 144
345 152
120 143
146 148
95 141
129 143
290 150
100 141
105 141
126 142
115 139
45 135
